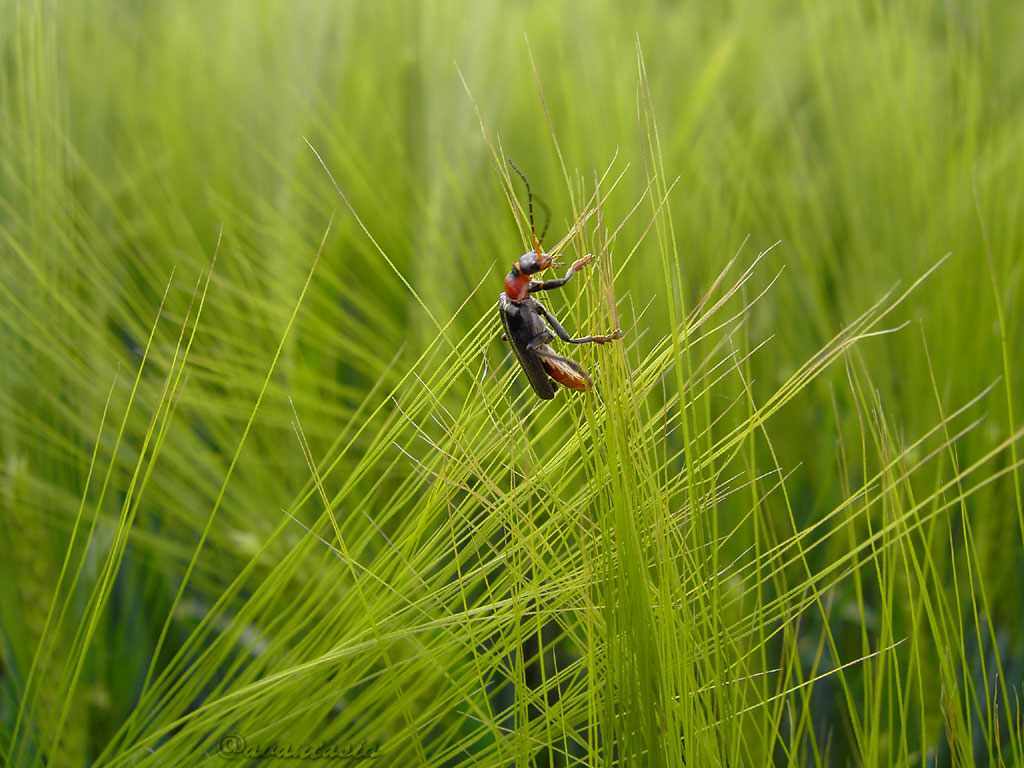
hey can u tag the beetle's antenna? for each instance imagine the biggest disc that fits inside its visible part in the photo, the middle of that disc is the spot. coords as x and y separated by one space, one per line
547 220
529 204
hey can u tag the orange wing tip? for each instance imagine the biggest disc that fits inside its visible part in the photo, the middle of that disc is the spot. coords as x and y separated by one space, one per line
566 375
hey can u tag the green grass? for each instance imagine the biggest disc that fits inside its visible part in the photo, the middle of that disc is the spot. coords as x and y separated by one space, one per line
267 469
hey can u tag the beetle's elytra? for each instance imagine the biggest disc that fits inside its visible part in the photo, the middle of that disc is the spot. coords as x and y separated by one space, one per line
524 319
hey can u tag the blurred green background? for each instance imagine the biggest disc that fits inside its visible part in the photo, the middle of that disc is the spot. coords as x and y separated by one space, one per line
868 140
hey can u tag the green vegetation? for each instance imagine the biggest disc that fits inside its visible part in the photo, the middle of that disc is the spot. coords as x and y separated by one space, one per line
269 475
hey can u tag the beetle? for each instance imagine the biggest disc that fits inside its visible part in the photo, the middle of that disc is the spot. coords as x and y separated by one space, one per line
523 318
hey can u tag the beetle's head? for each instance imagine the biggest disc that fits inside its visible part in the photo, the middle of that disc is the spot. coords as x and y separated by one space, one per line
534 261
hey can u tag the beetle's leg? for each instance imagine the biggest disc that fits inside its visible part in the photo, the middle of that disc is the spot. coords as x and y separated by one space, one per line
564 335
547 285
538 341
551 355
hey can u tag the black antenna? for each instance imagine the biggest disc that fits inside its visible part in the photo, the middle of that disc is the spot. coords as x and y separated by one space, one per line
547 219
529 204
